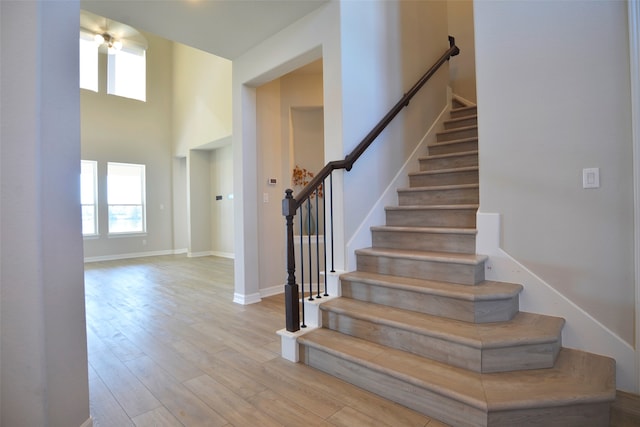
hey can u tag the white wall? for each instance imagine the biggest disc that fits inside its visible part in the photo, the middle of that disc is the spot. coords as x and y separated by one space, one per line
378 67
553 98
314 36
43 361
117 129
365 74
462 70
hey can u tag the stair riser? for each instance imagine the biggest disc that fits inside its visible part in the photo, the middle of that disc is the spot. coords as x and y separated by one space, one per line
437 163
448 178
432 218
458 147
457 196
440 350
502 359
437 242
436 305
592 415
465 274
461 122
454 134
463 112
425 401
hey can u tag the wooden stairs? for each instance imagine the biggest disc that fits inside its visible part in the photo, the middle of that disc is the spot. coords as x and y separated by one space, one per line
418 324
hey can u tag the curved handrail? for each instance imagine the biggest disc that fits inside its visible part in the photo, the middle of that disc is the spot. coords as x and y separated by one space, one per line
291 204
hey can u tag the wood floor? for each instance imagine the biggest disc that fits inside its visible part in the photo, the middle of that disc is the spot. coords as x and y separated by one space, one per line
168 347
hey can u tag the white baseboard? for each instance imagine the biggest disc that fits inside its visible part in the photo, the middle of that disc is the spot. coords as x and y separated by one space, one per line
199 254
581 331
88 423
246 299
115 257
229 255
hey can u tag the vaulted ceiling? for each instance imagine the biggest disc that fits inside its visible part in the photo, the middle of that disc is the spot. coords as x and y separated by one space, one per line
227 28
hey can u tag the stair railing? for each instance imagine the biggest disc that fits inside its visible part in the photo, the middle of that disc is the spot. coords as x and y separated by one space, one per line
294 307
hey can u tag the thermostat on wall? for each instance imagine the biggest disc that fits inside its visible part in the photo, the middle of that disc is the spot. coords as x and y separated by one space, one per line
272 181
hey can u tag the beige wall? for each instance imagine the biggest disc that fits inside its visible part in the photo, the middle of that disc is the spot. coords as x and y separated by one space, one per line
117 129
221 173
201 99
462 68
553 98
274 103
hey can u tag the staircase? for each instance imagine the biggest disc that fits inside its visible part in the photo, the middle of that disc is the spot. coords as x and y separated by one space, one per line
418 324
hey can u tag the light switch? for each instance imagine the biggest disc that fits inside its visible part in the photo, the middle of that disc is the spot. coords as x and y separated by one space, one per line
591 178
265 197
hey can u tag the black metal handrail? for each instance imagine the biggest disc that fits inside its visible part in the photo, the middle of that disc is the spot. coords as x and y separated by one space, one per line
291 204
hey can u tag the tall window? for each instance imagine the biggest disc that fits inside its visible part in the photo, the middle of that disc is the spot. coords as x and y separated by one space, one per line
126 198
88 62
126 66
127 71
88 197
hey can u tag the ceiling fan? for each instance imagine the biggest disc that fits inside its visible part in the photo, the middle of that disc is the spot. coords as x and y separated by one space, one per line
110 35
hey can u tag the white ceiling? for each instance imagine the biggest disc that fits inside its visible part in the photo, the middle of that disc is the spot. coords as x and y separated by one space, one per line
227 28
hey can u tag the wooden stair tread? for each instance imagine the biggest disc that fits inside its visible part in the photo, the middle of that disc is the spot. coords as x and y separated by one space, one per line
563 384
454 130
448 155
443 171
457 119
454 141
438 188
426 230
469 259
487 290
431 207
524 328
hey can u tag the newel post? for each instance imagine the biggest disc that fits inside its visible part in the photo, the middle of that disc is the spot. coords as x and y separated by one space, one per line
291 294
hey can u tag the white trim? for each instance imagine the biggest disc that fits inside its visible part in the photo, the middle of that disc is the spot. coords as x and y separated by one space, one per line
462 100
88 423
132 255
581 331
199 254
229 255
362 236
634 59
246 299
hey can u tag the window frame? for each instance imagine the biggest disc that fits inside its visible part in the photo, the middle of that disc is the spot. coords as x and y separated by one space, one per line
94 178
142 197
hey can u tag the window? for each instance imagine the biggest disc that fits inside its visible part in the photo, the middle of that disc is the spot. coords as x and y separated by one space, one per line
88 62
126 66
127 70
88 197
126 198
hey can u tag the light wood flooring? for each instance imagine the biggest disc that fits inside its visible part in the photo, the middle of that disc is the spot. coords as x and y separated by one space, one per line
168 347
